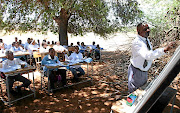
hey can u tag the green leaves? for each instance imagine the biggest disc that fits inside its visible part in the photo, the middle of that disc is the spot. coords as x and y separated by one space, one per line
85 15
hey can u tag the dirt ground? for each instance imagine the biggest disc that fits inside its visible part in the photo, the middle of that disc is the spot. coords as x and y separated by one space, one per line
109 85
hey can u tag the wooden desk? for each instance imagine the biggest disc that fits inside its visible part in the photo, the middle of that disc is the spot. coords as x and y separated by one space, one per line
16 54
12 73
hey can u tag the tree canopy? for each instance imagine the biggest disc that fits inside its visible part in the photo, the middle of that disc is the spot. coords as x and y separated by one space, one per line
73 16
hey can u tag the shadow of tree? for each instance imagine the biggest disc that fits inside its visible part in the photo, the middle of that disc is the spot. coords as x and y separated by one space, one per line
109 85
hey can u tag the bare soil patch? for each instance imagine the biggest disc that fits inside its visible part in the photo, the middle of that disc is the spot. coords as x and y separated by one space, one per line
109 84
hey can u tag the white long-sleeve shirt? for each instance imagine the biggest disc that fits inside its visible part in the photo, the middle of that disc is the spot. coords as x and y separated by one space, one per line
59 48
140 53
31 48
76 57
10 63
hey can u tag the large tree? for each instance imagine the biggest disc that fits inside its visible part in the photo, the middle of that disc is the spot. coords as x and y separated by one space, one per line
62 16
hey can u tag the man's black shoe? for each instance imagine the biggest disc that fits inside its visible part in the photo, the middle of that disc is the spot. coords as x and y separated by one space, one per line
14 93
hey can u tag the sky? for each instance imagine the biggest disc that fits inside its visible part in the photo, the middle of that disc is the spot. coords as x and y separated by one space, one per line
150 8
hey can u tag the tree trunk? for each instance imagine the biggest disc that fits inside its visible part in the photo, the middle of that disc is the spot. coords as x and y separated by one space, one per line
63 37
62 21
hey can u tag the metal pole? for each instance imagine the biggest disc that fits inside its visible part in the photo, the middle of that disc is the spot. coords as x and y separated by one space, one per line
7 88
48 82
34 86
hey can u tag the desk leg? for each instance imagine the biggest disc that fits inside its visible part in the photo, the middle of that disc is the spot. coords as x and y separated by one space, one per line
34 86
87 69
92 67
42 81
48 82
8 93
30 56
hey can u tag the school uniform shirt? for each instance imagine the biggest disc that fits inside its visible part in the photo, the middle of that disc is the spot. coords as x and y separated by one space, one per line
59 48
48 60
14 49
140 53
93 46
75 57
32 47
26 45
9 63
44 50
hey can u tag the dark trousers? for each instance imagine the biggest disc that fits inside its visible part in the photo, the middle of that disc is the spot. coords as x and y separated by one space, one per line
97 54
53 77
12 79
136 78
74 72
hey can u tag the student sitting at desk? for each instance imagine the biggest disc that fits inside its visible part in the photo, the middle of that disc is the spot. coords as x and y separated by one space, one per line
52 59
33 47
10 63
61 51
59 48
16 47
75 56
26 45
82 48
44 48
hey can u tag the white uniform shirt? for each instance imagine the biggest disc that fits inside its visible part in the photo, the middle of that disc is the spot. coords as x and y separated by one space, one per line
8 63
140 53
59 48
14 49
44 50
26 45
33 47
93 46
76 57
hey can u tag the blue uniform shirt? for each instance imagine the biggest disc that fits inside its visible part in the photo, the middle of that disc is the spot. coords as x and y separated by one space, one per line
48 60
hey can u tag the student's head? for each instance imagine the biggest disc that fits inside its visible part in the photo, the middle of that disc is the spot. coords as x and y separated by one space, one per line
16 39
9 55
98 46
76 49
78 43
58 43
93 43
71 44
16 45
53 42
20 41
13 44
44 40
82 43
29 40
52 52
143 29
1 40
33 42
44 45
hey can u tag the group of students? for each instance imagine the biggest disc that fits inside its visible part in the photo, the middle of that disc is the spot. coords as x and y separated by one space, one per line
10 62
76 70
31 45
81 51
92 51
